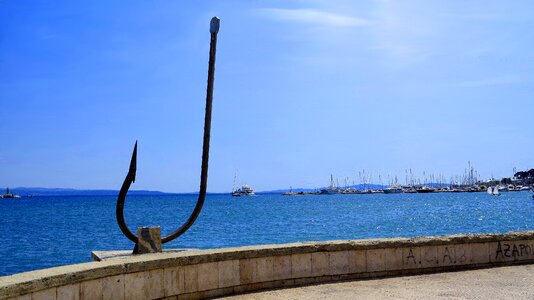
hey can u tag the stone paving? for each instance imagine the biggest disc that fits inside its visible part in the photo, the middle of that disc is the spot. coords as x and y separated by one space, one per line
513 282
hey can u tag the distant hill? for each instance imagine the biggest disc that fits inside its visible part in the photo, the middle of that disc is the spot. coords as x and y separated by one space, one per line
37 191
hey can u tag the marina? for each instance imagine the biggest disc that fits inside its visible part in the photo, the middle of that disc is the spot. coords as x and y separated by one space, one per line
469 182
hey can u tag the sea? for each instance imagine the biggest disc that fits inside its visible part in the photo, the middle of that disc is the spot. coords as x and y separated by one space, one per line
44 232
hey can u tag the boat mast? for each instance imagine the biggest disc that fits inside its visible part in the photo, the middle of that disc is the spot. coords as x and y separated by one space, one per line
235 178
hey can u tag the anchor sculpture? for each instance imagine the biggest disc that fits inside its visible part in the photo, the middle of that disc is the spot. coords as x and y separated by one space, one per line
130 177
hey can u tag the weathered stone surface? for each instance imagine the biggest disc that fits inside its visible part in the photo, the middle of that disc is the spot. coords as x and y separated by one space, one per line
113 287
208 276
463 253
357 261
411 258
247 271
91 289
451 255
149 239
393 259
320 264
526 250
479 253
339 262
114 254
376 260
191 278
23 297
264 269
155 284
301 265
281 267
228 273
68 292
173 281
134 286
144 285
446 255
515 247
509 251
429 257
49 294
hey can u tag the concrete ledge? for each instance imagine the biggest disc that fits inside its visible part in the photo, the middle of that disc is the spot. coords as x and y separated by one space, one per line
217 272
105 255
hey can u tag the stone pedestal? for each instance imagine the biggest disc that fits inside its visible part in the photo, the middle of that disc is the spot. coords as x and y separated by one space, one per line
149 239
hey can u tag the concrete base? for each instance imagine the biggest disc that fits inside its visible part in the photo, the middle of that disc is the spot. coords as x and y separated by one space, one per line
106 255
149 240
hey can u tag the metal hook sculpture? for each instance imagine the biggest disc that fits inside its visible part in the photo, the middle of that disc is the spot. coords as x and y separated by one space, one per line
130 177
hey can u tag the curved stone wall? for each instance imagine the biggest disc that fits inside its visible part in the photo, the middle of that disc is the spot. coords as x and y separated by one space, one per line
217 272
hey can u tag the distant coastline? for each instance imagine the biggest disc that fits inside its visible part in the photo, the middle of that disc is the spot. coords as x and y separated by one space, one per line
38 191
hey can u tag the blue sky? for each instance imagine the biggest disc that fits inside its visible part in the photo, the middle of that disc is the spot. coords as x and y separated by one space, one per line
303 89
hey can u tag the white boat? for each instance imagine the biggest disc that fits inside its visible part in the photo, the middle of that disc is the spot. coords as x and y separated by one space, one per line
425 189
502 189
493 191
245 190
8 194
393 190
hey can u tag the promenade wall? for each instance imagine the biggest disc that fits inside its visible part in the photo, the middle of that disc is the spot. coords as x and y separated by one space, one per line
217 272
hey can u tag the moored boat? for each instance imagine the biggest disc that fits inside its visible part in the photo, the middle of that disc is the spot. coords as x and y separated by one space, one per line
8 194
425 189
410 190
392 190
331 189
245 190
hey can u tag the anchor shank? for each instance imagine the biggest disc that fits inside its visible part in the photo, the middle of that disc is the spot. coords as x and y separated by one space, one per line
214 29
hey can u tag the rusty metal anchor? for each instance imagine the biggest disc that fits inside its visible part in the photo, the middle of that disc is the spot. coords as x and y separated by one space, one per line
130 177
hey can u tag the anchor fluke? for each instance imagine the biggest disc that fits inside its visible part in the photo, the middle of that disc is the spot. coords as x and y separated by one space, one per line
133 163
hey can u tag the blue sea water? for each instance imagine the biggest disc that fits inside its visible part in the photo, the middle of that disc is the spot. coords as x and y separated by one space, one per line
42 232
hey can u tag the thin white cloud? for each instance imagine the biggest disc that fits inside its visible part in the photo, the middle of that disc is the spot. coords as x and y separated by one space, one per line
313 16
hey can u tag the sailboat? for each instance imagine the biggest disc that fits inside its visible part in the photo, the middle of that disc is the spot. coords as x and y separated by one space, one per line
493 191
331 189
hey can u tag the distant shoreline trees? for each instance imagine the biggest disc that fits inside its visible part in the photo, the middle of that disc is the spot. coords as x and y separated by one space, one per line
524 177
524 174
